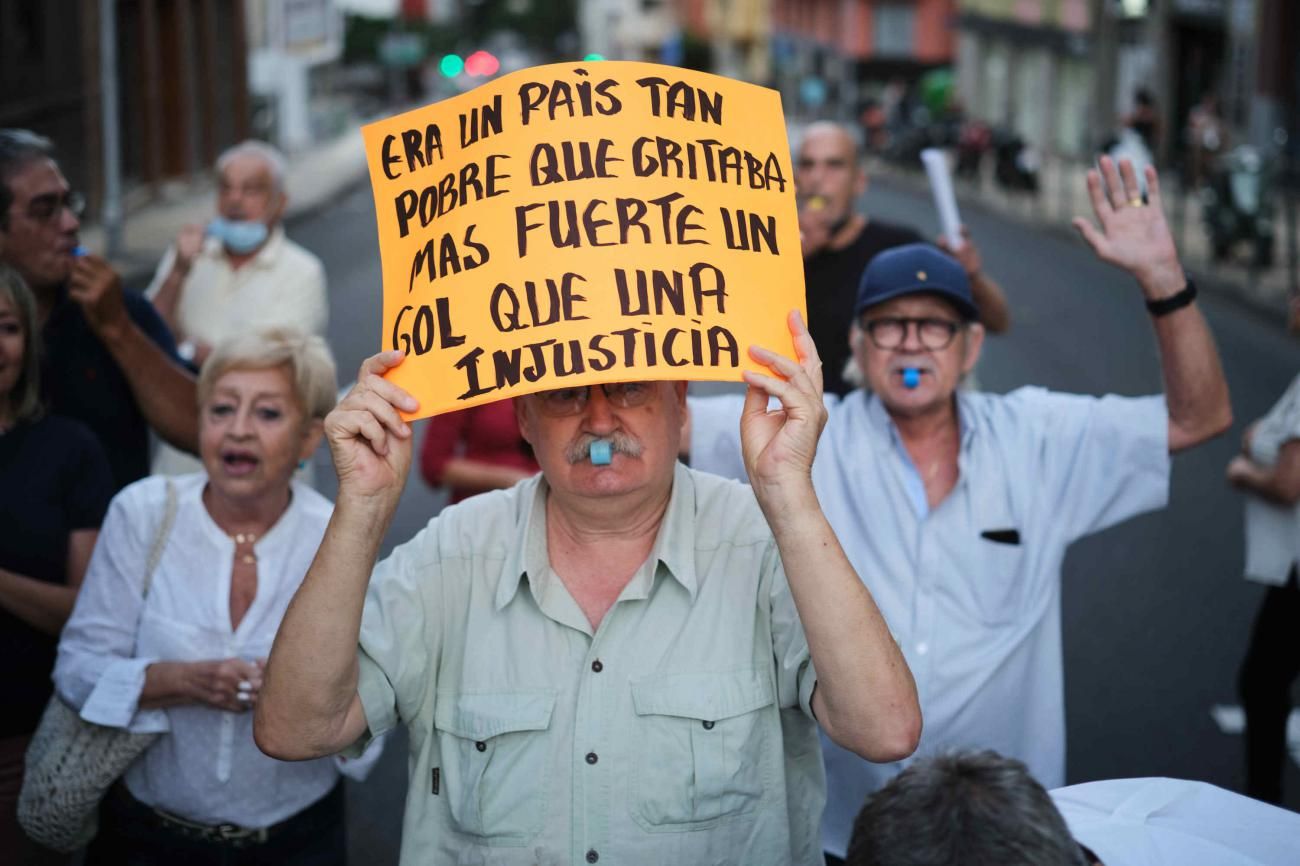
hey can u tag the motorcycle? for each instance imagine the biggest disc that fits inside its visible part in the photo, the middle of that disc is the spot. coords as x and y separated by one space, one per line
1238 204
1015 163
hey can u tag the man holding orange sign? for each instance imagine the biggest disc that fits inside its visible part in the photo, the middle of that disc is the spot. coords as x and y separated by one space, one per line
621 659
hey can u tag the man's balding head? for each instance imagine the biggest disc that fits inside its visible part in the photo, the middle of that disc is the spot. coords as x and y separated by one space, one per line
828 169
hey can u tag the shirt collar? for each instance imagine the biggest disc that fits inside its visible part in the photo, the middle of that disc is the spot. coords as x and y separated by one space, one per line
674 548
879 419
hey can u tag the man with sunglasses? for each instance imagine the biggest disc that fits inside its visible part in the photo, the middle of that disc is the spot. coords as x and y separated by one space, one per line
108 360
957 507
621 660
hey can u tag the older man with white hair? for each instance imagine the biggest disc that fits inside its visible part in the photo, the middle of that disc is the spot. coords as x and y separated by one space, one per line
239 272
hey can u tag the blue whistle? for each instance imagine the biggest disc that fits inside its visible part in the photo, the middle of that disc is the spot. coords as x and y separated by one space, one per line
78 251
600 453
911 377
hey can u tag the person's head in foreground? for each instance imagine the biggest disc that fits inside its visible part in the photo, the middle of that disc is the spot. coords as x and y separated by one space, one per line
968 808
915 331
262 400
640 421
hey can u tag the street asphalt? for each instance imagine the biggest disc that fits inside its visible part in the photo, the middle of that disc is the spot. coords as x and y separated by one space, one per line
1156 613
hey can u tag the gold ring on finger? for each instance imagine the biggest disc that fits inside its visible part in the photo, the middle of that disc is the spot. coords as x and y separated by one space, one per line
1136 202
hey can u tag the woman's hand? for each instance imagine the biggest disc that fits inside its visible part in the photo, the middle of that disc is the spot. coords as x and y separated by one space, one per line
370 442
226 684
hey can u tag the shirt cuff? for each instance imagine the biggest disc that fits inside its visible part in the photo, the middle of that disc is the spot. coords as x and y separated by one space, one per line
807 682
378 702
115 700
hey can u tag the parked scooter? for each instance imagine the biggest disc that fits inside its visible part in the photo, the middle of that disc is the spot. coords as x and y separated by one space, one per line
973 141
1015 162
1238 204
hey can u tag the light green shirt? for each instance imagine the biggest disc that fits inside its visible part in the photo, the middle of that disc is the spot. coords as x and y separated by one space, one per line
680 732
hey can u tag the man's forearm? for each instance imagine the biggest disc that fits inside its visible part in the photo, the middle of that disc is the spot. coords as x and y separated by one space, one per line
991 301
863 683
168 297
311 675
165 392
1196 391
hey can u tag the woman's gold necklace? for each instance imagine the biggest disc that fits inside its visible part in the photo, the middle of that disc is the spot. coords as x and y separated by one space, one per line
242 538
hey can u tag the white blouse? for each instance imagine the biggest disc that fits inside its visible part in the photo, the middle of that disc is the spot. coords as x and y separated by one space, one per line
1273 531
206 767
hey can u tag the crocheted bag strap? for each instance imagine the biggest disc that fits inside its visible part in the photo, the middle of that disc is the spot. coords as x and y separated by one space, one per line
160 540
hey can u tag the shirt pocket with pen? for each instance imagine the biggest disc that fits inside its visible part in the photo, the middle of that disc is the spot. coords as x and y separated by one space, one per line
494 761
998 585
702 755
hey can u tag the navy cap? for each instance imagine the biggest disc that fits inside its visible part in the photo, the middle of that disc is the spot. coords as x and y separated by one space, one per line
912 270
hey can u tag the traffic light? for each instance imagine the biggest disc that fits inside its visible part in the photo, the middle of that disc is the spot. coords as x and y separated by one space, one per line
481 63
451 65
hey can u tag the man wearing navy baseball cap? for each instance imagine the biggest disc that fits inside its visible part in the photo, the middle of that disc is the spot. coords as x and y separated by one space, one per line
956 507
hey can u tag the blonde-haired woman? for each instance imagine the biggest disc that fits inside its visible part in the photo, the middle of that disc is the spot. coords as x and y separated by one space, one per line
185 659
55 484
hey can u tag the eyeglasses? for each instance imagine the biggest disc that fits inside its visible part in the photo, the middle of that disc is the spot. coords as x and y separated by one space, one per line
891 332
562 402
46 208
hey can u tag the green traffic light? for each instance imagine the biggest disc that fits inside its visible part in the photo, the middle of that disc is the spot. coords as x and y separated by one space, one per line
451 65
593 57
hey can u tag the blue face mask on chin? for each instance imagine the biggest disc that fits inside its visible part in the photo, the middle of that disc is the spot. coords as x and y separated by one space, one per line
239 236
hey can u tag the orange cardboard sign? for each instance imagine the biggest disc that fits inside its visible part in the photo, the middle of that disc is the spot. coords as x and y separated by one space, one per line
582 223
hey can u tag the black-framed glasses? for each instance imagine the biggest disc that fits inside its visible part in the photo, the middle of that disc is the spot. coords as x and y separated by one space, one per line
890 332
48 207
572 401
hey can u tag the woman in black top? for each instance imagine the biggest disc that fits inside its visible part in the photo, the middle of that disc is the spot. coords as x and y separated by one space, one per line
55 485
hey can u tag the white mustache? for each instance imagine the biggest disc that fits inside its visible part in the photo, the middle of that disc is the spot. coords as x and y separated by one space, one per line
619 443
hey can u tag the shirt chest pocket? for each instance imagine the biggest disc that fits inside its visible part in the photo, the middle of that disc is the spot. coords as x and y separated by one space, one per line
703 753
495 757
998 587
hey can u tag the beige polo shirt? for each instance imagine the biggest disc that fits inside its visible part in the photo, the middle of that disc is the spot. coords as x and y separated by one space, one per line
282 286
679 732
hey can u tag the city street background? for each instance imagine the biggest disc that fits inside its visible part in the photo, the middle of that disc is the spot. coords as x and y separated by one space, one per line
1156 613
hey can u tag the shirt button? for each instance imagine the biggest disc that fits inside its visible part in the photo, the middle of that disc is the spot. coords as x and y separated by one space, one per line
708 726
592 856
597 666
591 758
922 648
481 746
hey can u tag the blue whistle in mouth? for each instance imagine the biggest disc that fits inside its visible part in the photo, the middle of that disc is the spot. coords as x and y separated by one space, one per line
911 377
78 251
600 453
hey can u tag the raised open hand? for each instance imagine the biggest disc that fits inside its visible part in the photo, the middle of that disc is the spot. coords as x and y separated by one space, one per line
1133 235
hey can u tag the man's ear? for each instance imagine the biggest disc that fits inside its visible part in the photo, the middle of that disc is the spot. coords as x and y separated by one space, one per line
862 181
974 345
522 419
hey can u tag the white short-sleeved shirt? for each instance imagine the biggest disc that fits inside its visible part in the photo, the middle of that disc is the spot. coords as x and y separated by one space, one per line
282 286
680 731
205 767
971 588
1273 531
1160 822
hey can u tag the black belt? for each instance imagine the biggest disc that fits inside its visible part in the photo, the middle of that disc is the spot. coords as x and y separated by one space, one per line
230 835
